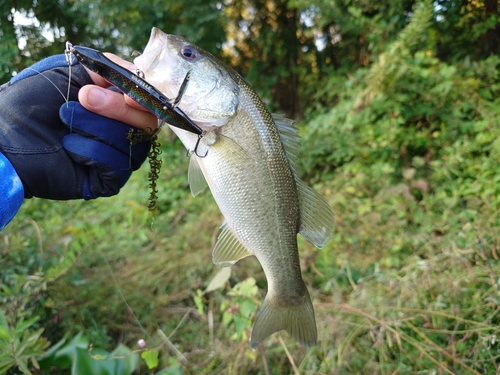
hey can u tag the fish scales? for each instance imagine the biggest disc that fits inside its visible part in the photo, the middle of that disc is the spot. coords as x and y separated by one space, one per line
250 174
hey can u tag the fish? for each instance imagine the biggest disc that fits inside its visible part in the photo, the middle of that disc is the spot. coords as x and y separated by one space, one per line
248 158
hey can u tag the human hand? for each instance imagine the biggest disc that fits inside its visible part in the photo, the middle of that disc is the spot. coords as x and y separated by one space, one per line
62 150
114 105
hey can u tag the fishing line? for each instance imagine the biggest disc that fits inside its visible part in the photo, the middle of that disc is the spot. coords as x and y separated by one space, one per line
52 83
66 98
69 85
129 308
69 59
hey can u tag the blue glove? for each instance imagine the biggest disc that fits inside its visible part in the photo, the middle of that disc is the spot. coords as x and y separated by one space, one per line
11 191
101 144
62 151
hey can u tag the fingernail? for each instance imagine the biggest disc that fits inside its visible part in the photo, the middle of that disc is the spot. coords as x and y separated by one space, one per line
97 97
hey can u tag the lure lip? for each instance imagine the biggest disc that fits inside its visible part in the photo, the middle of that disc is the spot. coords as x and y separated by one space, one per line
118 76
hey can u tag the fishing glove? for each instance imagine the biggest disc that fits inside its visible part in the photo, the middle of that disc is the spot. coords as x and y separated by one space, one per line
60 150
11 191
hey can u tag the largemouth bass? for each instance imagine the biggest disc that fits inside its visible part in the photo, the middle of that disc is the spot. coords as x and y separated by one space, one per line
248 158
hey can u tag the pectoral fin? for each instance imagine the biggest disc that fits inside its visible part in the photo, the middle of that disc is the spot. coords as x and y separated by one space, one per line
317 218
230 149
225 147
228 249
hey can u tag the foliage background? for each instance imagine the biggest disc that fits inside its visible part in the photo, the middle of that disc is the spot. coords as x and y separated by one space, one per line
398 107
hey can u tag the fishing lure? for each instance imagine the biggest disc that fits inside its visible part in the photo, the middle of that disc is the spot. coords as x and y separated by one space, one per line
138 89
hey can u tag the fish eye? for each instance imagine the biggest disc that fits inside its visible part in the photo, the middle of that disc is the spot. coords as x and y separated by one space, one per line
189 53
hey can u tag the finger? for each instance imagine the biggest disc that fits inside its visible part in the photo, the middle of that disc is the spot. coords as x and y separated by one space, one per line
115 105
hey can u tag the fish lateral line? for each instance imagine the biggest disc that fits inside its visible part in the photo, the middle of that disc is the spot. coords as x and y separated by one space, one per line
136 87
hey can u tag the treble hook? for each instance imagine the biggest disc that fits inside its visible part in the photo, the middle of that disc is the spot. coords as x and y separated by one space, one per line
195 150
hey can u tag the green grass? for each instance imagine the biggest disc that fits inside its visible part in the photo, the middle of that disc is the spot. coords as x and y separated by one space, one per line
408 284
403 286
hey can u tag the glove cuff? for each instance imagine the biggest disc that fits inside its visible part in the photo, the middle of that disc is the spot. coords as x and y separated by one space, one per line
11 191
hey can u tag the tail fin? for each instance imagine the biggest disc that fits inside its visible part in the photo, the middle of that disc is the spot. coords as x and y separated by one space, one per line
297 320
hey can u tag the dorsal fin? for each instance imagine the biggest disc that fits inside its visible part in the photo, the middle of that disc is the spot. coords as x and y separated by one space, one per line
290 139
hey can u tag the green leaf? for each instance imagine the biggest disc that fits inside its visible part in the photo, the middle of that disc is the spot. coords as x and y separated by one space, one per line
151 358
226 318
31 344
23 366
48 358
247 288
66 262
101 361
4 333
170 370
247 307
239 323
83 363
75 355
127 364
198 301
65 356
23 325
3 320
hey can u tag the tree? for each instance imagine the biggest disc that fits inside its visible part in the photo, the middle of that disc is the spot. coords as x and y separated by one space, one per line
120 27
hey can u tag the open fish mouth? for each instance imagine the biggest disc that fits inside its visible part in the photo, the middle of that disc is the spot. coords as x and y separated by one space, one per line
150 58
